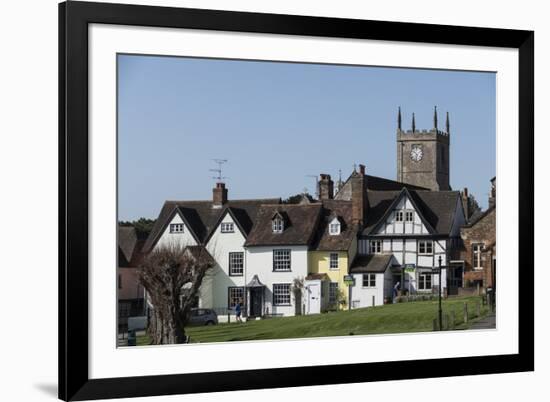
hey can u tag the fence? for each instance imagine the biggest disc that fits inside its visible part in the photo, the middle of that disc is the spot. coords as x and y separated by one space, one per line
457 316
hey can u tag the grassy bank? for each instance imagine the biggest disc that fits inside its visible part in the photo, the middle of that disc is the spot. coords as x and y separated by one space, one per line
387 319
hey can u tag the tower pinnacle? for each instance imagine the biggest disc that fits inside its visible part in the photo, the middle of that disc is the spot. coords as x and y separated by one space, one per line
399 118
413 124
435 117
447 124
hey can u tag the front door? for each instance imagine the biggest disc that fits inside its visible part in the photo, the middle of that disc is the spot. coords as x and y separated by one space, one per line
256 302
314 298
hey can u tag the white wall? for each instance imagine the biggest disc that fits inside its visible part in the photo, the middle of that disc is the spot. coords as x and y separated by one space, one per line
214 292
184 239
362 296
391 226
405 251
260 262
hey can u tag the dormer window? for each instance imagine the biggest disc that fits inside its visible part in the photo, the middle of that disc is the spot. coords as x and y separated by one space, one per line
277 225
334 227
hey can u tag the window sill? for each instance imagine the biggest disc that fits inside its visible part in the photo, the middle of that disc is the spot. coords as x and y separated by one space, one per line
282 270
282 305
237 275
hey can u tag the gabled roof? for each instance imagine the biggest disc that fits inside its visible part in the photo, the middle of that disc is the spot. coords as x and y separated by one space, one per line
301 223
202 218
129 247
404 193
372 263
324 241
436 208
374 183
241 219
478 216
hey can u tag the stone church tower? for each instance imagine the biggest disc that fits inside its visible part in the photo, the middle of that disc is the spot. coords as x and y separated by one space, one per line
423 155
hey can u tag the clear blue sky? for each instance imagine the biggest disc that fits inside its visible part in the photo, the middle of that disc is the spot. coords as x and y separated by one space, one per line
276 123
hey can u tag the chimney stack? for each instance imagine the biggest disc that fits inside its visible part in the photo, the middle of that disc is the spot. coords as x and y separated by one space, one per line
465 203
359 199
326 187
219 195
493 194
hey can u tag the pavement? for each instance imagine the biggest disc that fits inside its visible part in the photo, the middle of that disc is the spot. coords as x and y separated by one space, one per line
488 322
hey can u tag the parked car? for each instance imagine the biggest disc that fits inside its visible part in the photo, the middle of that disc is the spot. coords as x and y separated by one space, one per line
203 316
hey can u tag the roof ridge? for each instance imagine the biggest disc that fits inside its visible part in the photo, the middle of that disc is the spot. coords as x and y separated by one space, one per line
228 201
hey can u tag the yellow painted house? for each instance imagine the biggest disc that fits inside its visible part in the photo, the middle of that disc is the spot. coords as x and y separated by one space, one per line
332 254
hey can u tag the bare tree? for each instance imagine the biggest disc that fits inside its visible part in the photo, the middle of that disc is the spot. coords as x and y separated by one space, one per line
172 275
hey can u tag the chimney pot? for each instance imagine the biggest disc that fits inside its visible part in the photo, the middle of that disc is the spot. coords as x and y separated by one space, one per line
362 169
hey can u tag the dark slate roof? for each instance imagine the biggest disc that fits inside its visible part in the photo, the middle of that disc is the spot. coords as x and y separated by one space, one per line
380 184
300 225
326 242
374 263
203 219
129 247
479 215
436 207
375 183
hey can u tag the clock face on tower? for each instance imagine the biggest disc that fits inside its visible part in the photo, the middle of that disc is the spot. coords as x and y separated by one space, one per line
416 153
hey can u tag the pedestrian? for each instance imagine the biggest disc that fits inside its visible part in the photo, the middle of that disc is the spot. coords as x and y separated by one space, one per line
238 311
395 290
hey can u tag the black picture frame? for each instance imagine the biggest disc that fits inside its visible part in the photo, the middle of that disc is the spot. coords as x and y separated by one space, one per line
74 18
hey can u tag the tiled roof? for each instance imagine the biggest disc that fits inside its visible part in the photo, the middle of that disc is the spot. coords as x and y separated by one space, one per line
129 247
373 263
324 241
479 215
375 183
300 225
437 207
203 218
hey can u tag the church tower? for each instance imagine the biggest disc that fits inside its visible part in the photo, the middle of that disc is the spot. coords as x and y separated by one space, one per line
423 155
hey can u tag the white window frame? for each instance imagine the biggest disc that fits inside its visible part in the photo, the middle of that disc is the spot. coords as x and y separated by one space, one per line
234 257
409 214
227 227
376 245
333 261
423 280
177 228
231 299
280 291
425 243
334 229
399 216
282 258
477 249
369 280
277 225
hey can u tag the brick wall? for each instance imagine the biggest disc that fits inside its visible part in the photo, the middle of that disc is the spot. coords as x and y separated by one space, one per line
482 231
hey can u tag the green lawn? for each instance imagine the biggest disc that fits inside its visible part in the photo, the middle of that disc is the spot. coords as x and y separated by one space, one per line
392 318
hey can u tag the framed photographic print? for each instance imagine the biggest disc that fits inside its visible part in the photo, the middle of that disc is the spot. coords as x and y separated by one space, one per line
258 200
